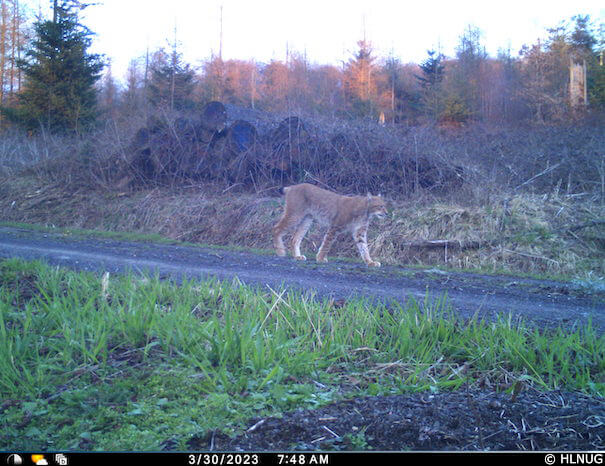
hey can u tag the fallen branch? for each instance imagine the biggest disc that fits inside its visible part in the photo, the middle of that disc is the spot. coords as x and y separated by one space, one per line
548 170
592 223
449 244
478 244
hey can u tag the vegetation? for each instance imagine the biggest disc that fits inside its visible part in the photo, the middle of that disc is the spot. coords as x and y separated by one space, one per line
121 363
59 74
171 82
531 86
450 120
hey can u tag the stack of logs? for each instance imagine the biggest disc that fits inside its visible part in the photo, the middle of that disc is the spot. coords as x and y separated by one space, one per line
209 148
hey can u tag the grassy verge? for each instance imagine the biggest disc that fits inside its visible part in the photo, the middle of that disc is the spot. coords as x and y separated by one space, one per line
124 363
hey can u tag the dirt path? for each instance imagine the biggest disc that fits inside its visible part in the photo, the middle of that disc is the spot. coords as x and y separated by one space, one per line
543 302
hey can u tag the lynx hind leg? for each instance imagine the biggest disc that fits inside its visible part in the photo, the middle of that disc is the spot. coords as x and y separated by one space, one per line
361 241
325 245
286 224
279 230
298 236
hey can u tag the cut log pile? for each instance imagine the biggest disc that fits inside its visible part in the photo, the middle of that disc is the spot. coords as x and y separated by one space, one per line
214 147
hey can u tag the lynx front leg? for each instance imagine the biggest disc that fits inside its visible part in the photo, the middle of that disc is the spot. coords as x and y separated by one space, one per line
326 244
361 241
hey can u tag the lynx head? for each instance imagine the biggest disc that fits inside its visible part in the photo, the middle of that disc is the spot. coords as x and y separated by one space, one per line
377 206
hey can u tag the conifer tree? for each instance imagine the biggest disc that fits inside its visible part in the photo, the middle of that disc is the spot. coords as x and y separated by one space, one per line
433 72
172 82
360 81
464 93
59 92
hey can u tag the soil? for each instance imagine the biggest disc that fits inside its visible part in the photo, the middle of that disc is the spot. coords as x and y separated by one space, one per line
446 421
457 420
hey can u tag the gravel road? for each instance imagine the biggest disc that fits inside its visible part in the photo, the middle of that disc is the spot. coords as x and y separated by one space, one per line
544 302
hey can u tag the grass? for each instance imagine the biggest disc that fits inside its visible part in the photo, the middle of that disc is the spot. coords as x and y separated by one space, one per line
128 363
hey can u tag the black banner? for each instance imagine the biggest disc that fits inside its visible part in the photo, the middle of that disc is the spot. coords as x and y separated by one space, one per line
296 458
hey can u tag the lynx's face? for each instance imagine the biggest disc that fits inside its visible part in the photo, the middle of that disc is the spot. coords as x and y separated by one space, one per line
377 207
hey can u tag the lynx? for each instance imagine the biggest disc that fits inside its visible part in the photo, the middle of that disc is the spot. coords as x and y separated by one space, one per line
306 202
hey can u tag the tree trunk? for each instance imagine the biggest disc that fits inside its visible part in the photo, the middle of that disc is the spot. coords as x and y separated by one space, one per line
3 43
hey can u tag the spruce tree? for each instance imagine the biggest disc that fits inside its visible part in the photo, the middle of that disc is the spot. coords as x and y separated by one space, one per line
433 70
432 97
172 82
60 74
360 81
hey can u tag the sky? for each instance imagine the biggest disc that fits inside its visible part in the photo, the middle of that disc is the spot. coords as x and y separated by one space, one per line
325 31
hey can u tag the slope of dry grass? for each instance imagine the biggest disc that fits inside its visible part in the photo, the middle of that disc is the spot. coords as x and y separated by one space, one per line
549 235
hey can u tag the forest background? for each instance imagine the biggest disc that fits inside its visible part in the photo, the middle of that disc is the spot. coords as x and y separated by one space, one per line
529 86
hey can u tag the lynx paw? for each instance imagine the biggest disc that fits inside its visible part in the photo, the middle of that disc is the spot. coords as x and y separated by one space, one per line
300 258
373 264
322 259
281 252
